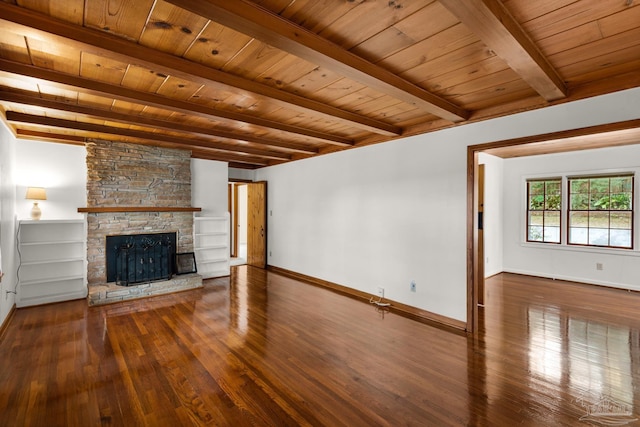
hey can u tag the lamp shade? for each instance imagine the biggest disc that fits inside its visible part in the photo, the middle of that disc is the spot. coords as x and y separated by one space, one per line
36 193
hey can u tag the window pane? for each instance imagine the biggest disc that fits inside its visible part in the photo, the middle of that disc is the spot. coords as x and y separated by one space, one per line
553 187
621 184
621 238
552 219
535 234
621 220
536 187
536 203
579 219
578 235
598 219
579 186
536 218
599 236
552 234
599 201
621 201
579 202
553 202
599 185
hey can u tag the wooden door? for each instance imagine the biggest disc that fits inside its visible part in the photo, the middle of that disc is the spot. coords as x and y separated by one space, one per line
257 224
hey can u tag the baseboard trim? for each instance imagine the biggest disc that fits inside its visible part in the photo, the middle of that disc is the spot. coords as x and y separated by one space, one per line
7 320
408 311
578 281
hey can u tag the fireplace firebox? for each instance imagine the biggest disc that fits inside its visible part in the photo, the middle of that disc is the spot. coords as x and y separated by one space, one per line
140 258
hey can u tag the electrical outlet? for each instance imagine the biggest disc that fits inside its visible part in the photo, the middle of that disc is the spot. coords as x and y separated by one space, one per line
381 292
270 254
599 266
413 286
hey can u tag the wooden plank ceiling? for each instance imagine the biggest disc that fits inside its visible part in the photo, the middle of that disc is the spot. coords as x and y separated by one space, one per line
258 83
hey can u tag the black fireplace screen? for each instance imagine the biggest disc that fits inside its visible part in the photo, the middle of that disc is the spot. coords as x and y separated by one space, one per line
140 258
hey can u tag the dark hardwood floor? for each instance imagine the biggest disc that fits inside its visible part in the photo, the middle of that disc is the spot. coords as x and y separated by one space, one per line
263 350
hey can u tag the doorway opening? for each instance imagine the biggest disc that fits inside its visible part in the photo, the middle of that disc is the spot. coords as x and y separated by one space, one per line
598 136
247 208
238 215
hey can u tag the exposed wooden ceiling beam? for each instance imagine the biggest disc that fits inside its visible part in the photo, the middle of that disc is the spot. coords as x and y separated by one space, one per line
495 26
81 140
99 42
70 82
90 127
205 156
248 162
26 98
57 137
254 20
195 153
234 165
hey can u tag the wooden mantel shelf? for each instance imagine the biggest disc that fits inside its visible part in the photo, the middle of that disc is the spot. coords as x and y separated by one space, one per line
138 209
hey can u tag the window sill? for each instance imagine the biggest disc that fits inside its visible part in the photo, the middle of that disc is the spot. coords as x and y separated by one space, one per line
585 249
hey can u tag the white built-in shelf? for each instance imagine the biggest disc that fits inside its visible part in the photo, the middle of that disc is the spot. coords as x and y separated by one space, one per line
211 245
203 248
52 261
49 280
53 242
213 261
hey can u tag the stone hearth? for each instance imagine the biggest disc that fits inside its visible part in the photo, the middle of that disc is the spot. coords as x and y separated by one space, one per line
110 292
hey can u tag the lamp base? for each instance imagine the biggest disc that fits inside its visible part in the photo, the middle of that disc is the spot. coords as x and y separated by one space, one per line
36 213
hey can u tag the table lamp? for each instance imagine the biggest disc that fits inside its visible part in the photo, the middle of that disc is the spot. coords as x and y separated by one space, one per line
36 193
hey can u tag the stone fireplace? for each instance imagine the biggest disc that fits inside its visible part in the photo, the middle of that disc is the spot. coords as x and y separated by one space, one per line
134 190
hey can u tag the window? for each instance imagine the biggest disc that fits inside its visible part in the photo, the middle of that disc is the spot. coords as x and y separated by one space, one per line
601 211
544 201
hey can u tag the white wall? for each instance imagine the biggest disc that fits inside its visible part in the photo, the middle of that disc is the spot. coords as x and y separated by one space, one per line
61 169
493 213
373 217
7 222
384 215
621 267
209 187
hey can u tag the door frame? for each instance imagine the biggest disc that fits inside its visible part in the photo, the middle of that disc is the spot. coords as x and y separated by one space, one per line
232 201
472 240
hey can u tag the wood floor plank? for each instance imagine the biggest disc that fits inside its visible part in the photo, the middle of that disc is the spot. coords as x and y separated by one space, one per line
261 349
